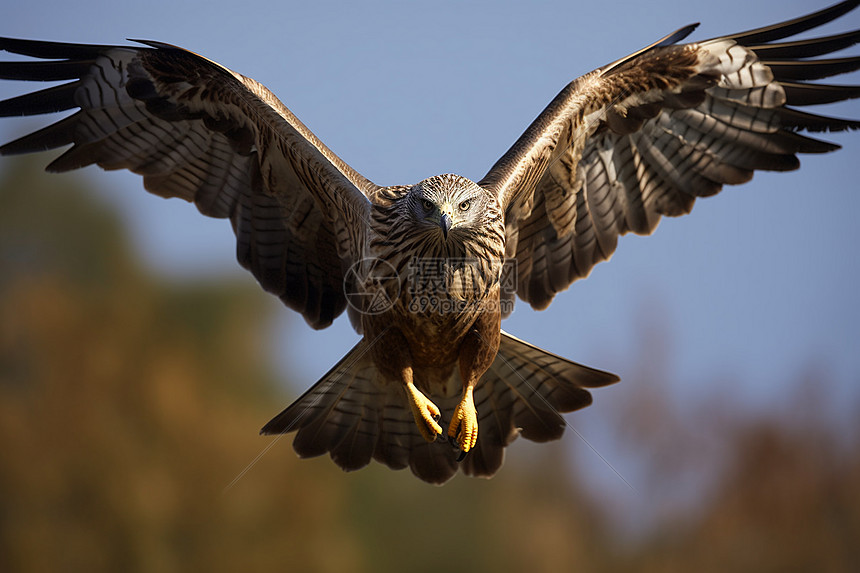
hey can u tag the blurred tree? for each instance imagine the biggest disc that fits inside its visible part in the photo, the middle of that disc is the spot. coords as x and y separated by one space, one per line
774 490
128 404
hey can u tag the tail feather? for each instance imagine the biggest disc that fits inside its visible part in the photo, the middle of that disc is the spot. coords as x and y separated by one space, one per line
524 392
338 414
355 415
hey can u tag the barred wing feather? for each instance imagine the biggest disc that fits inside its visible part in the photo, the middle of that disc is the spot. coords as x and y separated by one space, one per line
642 138
201 132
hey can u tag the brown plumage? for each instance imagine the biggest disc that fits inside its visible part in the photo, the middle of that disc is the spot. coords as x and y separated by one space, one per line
428 271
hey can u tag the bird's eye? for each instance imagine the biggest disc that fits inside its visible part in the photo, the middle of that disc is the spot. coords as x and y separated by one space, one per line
428 205
464 206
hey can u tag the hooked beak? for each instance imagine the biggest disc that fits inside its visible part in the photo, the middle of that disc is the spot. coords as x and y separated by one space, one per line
445 222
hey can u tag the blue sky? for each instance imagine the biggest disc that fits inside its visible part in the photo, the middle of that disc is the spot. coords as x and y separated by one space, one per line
756 283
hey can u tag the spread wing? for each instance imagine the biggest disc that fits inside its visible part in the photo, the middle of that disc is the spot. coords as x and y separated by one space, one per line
643 137
199 131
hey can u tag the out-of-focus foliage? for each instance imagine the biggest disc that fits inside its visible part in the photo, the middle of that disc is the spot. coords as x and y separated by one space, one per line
126 406
129 403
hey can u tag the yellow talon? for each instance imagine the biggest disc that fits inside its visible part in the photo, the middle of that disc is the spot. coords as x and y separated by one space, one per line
425 413
464 423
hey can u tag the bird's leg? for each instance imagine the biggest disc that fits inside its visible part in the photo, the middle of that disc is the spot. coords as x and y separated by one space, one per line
477 353
392 356
425 412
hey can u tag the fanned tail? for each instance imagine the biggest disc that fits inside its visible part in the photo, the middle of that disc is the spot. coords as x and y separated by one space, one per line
353 414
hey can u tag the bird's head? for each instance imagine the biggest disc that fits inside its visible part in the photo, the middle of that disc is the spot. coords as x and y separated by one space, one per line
450 206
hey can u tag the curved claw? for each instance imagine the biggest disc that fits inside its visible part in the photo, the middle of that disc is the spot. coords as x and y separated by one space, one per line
461 455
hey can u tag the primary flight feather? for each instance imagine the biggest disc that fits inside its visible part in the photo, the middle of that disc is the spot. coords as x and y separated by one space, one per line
427 271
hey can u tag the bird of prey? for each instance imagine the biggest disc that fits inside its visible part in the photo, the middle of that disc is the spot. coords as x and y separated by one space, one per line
426 272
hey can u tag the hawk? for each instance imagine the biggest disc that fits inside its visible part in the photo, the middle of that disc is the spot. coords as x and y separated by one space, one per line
426 272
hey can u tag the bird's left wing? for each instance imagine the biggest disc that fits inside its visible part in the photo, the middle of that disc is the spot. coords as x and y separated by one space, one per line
643 137
196 130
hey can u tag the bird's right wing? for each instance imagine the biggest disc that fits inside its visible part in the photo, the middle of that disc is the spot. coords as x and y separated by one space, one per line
642 138
199 131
